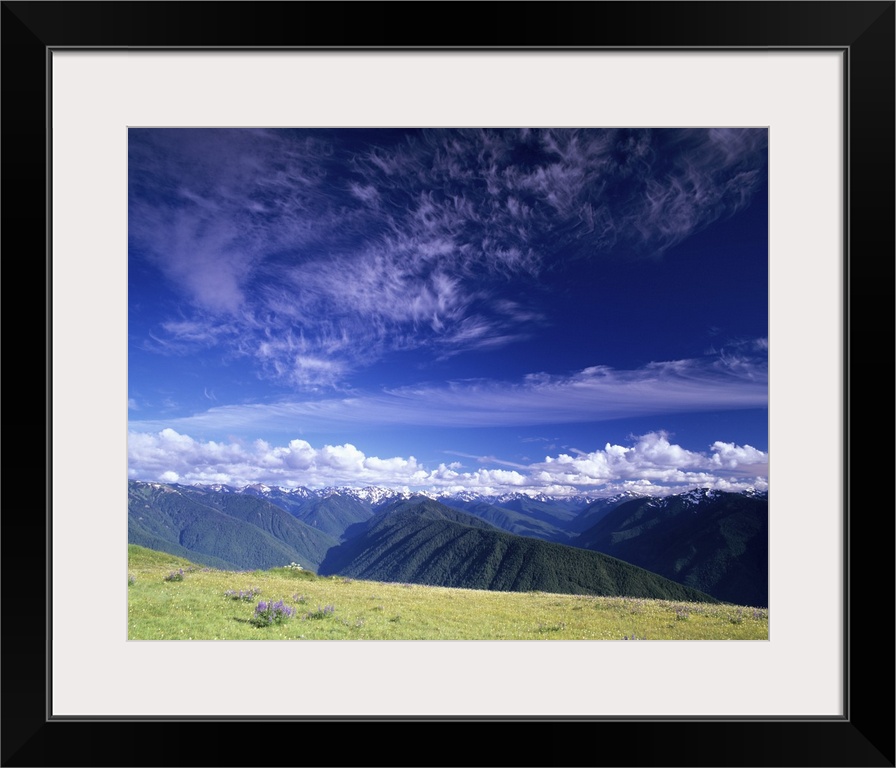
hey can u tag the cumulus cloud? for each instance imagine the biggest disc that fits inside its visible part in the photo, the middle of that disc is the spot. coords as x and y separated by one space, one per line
652 464
168 454
731 456
652 458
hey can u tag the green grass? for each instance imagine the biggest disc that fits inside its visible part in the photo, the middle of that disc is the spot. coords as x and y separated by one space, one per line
197 608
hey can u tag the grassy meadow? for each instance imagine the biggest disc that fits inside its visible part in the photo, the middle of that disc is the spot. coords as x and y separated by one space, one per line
170 598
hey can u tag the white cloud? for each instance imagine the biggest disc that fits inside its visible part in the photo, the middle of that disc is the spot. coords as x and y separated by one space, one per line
652 465
352 251
593 394
731 456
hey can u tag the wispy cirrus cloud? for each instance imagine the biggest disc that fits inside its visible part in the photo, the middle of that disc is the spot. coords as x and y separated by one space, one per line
314 253
719 382
650 465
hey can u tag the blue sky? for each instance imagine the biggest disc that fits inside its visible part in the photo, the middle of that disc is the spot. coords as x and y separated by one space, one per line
549 310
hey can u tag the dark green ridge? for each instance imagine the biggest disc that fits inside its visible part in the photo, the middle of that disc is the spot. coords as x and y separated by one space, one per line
243 532
719 546
424 542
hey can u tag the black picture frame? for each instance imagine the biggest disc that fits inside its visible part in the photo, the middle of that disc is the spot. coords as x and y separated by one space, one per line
864 31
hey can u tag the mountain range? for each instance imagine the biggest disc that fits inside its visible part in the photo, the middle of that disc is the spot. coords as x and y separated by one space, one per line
422 541
710 540
711 543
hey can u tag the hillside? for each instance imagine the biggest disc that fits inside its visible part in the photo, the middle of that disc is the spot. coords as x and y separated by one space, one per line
517 521
220 530
333 514
709 541
712 541
213 604
422 541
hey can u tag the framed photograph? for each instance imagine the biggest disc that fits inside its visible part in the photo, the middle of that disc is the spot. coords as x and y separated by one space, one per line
813 81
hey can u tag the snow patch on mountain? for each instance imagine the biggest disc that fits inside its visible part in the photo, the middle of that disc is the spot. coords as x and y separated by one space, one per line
377 496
